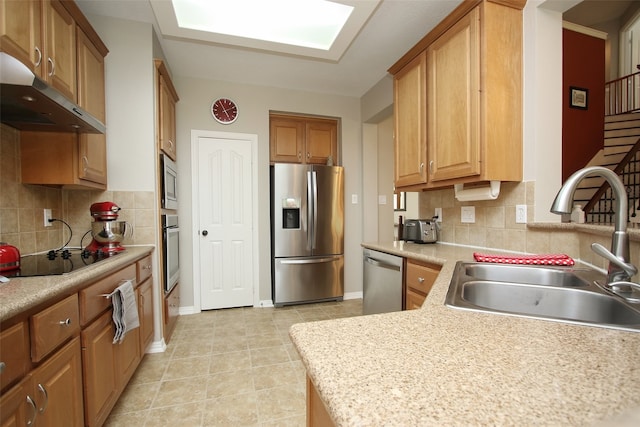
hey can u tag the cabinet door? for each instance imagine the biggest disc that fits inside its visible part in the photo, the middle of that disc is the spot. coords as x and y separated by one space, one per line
321 141
14 354
410 138
287 140
60 50
167 119
20 31
18 408
58 388
99 367
127 357
91 96
145 312
453 99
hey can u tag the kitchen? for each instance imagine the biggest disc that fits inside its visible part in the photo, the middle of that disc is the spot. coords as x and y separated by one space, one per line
131 138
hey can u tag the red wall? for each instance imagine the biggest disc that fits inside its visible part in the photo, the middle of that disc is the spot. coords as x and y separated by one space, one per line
583 66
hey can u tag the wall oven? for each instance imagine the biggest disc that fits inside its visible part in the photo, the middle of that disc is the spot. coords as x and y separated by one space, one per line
170 251
169 183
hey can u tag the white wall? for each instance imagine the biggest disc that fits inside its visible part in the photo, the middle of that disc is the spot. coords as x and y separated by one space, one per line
254 104
385 179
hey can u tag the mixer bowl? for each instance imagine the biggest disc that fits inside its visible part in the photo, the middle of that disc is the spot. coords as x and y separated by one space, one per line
111 231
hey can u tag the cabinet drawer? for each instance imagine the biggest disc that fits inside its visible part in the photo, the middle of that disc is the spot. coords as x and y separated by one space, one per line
144 268
420 276
92 300
53 326
14 353
414 300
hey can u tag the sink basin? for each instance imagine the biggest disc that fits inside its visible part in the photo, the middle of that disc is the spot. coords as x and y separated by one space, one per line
564 294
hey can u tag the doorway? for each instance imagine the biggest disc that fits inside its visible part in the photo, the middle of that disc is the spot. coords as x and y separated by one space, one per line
225 214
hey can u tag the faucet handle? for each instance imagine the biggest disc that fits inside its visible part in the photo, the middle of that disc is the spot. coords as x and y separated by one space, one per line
628 268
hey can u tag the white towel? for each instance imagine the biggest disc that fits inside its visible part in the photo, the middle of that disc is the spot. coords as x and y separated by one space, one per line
125 310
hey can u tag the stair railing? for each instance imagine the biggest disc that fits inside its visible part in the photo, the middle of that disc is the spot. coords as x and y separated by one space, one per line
599 209
622 95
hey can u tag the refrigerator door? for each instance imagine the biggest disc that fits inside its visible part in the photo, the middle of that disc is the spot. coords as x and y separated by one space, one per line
290 195
328 210
308 279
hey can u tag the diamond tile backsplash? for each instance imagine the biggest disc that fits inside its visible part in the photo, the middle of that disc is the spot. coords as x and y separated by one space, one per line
22 207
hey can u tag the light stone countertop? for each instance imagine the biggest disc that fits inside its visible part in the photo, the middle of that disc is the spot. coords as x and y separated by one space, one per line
23 294
443 366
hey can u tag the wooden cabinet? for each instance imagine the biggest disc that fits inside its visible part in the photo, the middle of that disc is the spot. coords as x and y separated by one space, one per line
306 140
410 117
167 97
171 311
419 279
92 148
53 326
21 31
317 414
50 395
473 100
145 310
14 354
70 160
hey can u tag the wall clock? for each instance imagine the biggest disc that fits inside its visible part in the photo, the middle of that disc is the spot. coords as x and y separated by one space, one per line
224 110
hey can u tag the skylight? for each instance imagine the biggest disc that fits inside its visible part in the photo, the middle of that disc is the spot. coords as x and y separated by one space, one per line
307 23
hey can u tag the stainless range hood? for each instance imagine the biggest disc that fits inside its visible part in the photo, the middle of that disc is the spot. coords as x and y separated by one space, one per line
28 103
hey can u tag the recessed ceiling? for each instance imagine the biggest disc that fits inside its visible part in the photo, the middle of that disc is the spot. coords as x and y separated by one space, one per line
309 28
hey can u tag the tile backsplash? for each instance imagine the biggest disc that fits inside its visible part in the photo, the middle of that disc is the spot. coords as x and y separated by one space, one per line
22 207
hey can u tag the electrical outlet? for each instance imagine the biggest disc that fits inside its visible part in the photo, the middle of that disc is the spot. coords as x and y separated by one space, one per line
438 213
521 214
47 217
354 199
382 199
468 214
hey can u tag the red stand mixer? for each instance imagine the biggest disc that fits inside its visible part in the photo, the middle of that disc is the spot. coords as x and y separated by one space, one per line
107 233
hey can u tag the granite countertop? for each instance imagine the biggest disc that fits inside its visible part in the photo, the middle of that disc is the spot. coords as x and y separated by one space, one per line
443 366
24 293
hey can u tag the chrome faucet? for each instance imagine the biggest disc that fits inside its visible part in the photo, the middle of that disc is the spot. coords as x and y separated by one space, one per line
620 269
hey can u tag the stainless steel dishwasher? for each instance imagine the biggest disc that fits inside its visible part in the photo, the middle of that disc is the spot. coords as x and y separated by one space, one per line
382 288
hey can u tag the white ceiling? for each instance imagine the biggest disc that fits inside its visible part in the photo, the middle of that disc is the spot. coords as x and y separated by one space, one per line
394 27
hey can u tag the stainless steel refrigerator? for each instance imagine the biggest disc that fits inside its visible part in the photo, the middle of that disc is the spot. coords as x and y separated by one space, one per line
307 233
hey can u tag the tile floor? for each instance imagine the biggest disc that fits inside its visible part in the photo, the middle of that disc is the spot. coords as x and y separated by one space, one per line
234 367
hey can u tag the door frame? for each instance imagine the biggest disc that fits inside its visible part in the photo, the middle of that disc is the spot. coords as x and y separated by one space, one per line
195 208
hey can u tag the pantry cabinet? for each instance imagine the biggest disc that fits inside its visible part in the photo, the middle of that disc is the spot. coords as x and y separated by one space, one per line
167 97
305 140
472 91
419 279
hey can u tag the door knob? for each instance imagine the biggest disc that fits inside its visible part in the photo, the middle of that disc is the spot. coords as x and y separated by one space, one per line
205 232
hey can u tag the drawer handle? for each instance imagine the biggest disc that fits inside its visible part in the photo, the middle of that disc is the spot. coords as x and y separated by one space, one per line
46 398
2 366
34 411
148 267
66 322
420 279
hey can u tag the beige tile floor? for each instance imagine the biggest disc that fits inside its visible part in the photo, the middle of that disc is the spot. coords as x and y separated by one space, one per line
233 367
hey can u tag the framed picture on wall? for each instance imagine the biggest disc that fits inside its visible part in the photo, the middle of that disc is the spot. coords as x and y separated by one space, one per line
578 97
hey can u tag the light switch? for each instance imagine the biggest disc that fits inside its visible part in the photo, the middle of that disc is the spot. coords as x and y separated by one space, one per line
468 214
382 199
354 199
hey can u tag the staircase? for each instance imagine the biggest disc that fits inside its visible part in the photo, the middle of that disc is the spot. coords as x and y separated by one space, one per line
621 154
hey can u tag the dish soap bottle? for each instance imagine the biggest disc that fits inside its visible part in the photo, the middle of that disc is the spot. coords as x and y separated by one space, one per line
577 214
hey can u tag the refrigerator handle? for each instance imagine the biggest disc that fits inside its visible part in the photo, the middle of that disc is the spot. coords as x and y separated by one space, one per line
310 204
315 209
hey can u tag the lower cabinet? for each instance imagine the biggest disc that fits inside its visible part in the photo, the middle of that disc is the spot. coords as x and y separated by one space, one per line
419 278
317 414
50 395
145 310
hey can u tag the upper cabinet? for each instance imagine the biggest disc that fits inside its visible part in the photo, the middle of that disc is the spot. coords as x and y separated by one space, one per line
166 116
460 120
21 31
73 63
305 140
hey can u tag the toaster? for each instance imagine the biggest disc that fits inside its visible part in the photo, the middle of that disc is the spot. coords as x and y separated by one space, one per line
420 231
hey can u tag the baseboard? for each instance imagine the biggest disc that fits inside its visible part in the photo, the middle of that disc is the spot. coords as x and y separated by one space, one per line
157 347
184 311
353 295
267 303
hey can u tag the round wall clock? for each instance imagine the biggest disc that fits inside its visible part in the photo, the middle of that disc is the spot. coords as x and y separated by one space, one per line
224 110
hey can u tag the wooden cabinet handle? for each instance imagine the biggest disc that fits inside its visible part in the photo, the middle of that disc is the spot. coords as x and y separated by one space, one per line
66 322
52 67
39 60
420 279
34 411
43 390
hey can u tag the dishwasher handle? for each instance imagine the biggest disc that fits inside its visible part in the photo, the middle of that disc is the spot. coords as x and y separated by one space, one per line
382 264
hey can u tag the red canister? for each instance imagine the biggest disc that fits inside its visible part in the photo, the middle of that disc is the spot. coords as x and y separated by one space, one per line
9 257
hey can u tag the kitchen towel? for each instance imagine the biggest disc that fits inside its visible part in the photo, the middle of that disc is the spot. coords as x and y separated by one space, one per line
125 310
543 259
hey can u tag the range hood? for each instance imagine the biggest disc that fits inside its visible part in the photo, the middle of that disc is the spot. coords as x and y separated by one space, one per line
28 103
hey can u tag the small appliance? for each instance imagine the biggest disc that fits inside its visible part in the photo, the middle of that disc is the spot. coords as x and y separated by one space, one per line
420 230
107 233
9 257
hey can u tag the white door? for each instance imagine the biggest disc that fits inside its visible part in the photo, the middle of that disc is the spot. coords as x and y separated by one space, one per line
225 222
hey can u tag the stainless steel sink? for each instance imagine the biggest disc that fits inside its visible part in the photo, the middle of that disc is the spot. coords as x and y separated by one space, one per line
564 294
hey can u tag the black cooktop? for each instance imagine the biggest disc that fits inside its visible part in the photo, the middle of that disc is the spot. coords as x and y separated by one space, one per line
56 262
